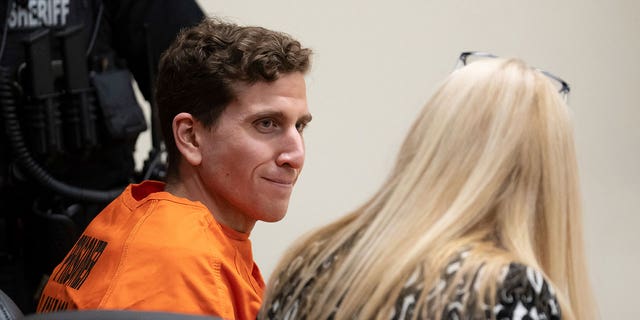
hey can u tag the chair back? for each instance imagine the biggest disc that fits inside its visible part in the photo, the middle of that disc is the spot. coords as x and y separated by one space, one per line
8 309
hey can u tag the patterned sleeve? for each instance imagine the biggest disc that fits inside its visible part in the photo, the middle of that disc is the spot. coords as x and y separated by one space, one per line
526 295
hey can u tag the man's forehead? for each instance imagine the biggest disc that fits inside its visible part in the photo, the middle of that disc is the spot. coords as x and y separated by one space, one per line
285 97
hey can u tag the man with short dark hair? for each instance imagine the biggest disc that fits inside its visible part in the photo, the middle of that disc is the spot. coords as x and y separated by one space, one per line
232 106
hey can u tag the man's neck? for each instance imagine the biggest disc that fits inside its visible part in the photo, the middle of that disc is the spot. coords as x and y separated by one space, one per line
222 211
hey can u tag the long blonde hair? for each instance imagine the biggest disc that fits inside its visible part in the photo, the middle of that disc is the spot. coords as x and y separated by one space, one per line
489 164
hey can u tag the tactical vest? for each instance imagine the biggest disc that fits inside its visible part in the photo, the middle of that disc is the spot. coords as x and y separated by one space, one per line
69 112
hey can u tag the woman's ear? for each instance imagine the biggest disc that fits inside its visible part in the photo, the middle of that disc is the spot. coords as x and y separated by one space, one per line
185 137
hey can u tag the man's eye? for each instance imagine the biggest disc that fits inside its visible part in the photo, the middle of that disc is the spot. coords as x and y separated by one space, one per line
265 125
300 126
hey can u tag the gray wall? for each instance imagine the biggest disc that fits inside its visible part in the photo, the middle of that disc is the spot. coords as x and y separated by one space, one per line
376 62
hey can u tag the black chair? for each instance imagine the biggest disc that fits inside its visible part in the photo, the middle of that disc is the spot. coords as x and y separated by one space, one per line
114 315
8 309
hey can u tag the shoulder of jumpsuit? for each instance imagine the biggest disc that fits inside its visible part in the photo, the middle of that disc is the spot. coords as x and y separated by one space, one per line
176 222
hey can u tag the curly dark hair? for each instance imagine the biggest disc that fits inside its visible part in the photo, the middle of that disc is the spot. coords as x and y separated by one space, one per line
197 73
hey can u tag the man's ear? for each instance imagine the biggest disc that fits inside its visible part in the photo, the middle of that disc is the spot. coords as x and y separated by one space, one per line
184 134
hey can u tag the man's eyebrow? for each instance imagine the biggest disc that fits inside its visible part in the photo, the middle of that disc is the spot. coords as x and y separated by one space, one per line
280 115
268 114
306 118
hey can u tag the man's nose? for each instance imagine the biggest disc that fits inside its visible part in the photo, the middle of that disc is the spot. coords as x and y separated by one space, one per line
292 150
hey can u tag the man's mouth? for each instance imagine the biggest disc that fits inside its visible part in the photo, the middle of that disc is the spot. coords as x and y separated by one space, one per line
285 182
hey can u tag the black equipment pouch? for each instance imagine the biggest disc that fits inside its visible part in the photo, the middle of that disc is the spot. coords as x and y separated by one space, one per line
122 114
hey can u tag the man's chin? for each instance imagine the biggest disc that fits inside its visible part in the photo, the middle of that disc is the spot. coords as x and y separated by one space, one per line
273 214
273 218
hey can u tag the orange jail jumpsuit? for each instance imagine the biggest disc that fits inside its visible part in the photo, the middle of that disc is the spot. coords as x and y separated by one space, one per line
152 251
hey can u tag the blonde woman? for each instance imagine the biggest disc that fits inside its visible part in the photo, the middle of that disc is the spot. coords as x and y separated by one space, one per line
479 219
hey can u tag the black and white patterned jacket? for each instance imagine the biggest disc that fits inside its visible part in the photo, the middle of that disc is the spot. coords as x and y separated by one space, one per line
524 294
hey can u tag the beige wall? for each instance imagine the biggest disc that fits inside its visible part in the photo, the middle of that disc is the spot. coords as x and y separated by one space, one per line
376 62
